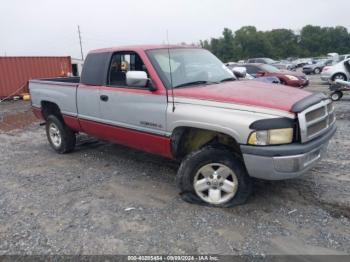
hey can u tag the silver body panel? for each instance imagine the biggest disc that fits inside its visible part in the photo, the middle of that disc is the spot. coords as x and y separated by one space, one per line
60 93
137 111
88 102
233 120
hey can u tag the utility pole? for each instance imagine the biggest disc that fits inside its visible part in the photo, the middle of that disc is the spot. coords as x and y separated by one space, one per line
81 46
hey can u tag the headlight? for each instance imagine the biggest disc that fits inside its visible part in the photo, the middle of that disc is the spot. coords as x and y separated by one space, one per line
271 137
292 77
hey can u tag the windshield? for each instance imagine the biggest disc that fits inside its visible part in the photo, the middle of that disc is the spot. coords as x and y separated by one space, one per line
270 68
189 66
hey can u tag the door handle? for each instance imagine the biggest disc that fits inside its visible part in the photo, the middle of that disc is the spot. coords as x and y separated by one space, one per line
104 98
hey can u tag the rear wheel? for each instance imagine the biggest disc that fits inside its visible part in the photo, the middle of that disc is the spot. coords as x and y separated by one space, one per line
336 96
61 138
215 177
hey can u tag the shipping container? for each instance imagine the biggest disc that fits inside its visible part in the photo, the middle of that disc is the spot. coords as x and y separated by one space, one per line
16 71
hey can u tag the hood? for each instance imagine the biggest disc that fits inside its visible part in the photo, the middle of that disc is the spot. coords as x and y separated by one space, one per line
251 93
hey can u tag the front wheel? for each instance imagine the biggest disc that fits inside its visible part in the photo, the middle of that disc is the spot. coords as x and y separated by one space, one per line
61 138
215 177
339 76
317 70
336 96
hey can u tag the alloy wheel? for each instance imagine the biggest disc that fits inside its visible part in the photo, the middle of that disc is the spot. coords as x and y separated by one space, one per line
55 135
215 183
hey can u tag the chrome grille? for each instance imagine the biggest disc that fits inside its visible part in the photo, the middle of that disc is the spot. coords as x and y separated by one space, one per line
316 120
315 114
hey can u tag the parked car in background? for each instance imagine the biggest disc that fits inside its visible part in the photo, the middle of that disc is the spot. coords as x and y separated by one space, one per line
339 71
283 64
265 79
241 73
302 61
317 67
286 77
344 57
262 60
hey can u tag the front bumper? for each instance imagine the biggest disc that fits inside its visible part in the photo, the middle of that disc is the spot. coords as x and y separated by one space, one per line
298 83
325 77
285 161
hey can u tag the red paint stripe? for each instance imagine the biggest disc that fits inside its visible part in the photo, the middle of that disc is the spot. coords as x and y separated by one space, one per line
72 122
37 112
155 144
150 143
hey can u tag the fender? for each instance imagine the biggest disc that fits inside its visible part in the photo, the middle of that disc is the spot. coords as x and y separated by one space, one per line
232 122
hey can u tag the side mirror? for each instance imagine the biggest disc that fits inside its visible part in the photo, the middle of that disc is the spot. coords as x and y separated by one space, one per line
239 71
136 78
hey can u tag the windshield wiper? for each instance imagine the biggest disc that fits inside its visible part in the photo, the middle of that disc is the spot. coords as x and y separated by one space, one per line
228 79
195 83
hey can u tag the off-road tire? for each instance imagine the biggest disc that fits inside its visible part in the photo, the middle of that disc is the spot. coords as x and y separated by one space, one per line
68 138
213 154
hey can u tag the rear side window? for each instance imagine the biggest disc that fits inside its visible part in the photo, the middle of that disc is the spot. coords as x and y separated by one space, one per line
95 69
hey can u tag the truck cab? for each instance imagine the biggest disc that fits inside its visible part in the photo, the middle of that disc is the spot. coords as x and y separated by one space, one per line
183 103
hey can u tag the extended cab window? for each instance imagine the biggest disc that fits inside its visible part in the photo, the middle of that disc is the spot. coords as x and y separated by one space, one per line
121 63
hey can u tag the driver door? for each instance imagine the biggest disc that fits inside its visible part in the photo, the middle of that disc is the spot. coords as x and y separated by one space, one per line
128 107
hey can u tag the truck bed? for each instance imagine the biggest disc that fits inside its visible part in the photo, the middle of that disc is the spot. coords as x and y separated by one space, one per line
59 90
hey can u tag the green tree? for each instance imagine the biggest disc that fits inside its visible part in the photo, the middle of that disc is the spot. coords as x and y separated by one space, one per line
251 43
248 42
335 39
284 43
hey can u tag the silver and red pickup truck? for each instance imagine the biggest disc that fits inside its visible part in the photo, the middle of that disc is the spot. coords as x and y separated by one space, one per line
183 103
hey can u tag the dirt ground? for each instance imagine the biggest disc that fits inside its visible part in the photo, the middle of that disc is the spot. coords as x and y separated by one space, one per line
108 199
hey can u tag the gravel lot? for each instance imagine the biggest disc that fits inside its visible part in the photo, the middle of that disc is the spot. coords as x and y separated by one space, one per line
108 199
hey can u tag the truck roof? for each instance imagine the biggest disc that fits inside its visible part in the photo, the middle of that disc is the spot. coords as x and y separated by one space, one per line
139 47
